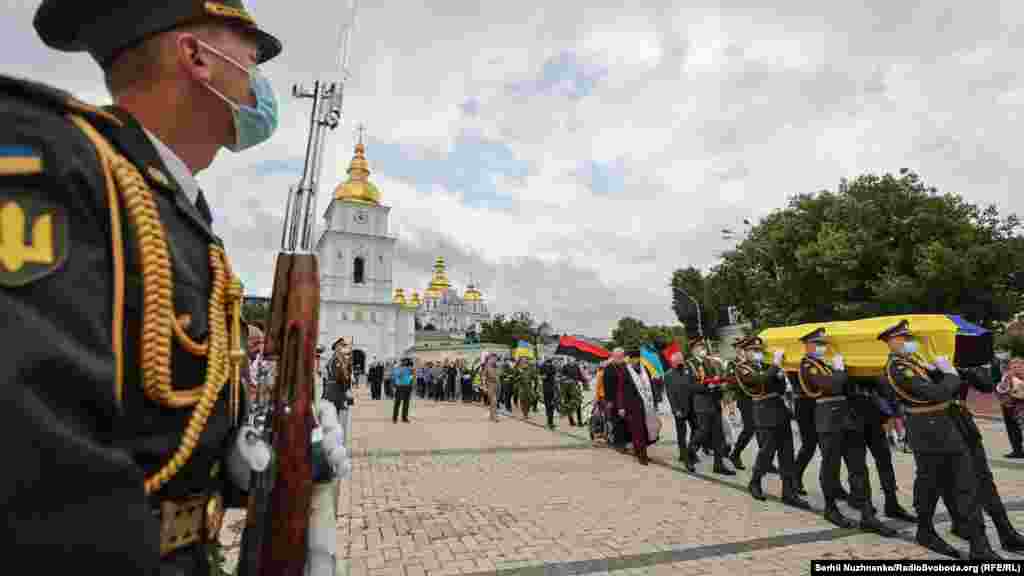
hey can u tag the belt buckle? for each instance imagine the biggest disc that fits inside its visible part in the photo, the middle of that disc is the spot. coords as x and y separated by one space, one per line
183 522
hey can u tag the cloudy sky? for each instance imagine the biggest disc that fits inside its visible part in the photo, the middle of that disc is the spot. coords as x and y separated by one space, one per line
570 155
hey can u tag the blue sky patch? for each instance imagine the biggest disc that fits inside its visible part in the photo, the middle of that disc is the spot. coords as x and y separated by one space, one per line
268 167
468 168
603 177
564 74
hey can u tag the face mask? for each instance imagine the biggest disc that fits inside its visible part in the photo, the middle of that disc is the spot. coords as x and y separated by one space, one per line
909 347
757 356
253 126
819 351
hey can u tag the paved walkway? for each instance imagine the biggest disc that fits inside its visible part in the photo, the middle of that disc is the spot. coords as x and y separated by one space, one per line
453 493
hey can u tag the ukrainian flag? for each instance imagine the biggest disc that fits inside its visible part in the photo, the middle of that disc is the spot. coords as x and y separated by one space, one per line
523 350
649 358
17 160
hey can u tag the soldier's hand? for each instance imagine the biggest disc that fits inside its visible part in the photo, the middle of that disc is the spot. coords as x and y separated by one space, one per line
944 364
777 358
253 449
837 362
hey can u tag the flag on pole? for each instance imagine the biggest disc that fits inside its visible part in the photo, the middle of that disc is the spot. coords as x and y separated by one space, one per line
670 350
650 360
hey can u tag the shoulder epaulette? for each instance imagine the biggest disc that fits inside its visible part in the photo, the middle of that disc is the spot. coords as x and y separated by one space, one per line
59 100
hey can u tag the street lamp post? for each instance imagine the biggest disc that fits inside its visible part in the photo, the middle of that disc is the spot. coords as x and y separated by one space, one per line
700 328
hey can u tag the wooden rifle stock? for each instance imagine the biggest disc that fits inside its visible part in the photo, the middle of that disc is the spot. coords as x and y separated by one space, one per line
281 534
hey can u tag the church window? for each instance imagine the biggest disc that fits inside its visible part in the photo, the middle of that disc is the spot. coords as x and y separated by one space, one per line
358 269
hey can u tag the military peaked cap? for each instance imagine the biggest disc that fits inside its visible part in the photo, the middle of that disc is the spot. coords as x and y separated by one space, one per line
817 336
106 28
902 328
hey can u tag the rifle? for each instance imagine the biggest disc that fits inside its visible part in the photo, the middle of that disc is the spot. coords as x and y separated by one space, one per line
280 497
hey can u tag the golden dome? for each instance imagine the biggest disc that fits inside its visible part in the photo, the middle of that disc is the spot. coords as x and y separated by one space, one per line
399 297
358 187
415 301
472 294
439 284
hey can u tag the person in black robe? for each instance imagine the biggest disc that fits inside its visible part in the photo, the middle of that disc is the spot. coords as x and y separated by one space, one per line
615 375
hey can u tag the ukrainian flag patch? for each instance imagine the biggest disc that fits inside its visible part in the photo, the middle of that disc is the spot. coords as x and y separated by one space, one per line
19 160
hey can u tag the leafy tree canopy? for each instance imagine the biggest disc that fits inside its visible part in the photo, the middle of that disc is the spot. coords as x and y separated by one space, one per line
878 245
632 332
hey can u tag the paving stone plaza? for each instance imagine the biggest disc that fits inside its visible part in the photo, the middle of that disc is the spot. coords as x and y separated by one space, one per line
453 493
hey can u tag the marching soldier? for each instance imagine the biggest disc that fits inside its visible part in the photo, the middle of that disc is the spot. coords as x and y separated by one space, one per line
707 405
746 407
867 417
765 385
837 433
991 502
941 453
112 280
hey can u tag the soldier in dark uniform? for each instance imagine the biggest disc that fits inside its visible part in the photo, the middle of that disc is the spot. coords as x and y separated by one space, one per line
121 314
991 502
838 434
678 384
707 405
765 385
549 372
746 408
867 415
936 434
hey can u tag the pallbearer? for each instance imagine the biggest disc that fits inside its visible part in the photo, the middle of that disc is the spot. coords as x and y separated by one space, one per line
941 454
765 385
838 435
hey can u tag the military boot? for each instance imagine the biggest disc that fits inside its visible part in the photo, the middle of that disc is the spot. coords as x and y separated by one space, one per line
870 523
980 547
736 461
755 486
791 497
895 511
721 468
1011 540
927 537
833 515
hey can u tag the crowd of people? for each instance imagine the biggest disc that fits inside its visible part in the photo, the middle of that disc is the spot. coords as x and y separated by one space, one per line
719 408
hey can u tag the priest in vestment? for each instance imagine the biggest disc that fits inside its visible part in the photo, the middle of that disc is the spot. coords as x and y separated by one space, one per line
634 401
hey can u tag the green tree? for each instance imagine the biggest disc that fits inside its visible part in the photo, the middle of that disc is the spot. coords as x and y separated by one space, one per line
878 245
501 329
630 332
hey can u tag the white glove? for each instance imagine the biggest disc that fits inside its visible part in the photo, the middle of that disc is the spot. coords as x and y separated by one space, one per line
777 358
943 364
837 362
253 449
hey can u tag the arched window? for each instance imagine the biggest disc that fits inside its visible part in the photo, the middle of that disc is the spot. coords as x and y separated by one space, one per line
357 270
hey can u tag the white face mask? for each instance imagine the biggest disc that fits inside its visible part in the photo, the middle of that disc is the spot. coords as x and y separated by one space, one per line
820 350
757 356
910 347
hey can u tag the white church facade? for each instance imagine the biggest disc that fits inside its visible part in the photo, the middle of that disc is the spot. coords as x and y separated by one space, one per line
358 301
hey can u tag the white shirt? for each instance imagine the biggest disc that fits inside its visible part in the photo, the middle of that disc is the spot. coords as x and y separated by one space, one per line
179 171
